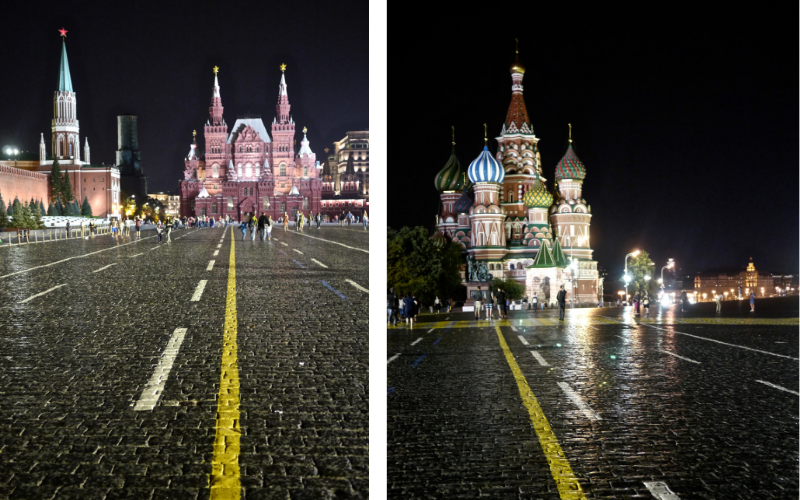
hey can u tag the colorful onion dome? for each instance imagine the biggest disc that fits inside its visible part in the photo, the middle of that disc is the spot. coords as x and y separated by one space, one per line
485 168
538 196
438 240
463 204
449 178
570 167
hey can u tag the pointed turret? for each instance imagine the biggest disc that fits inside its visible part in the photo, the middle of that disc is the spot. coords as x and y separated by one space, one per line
559 259
543 258
86 150
216 103
42 151
450 178
193 151
304 149
517 116
64 79
283 106
65 126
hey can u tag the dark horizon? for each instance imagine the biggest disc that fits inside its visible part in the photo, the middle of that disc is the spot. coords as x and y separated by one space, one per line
690 142
124 59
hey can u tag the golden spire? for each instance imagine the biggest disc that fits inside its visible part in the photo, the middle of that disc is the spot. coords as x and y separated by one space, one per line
570 132
485 137
305 130
517 49
216 69
516 66
283 68
194 133
453 127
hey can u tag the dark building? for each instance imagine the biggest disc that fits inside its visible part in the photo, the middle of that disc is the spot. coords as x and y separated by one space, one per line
134 182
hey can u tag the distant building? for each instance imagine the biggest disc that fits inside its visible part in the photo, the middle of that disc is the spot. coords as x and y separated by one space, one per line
721 280
345 176
171 202
129 158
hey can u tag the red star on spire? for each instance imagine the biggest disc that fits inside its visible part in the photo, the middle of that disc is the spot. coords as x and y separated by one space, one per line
63 32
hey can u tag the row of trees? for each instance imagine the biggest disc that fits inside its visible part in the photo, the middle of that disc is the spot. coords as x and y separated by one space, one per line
28 215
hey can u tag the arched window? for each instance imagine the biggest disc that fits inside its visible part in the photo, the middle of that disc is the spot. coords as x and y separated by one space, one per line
239 170
240 149
258 170
248 170
283 169
70 147
305 171
213 208
215 171
251 191
245 192
511 267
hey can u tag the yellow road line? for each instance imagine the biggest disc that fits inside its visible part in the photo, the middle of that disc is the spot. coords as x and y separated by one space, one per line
600 320
225 476
568 486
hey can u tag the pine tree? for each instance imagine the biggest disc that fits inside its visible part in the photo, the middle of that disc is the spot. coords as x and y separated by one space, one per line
86 209
56 181
51 210
59 208
10 209
66 191
36 217
41 208
76 207
3 214
27 214
18 220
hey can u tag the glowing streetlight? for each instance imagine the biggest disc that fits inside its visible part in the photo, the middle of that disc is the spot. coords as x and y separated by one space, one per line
670 264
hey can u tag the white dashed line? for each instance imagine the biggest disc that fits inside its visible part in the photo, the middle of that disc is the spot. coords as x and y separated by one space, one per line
522 339
40 294
514 328
106 267
199 291
284 244
590 414
539 358
681 357
660 490
416 341
298 251
393 358
219 246
152 391
779 387
334 242
429 331
136 255
216 252
210 265
720 342
320 263
357 285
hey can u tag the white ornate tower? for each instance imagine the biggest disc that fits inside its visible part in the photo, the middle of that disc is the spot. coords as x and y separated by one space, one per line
86 150
65 127
488 239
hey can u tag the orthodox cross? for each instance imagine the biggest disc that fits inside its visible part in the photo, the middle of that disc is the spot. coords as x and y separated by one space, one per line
454 134
485 139
570 132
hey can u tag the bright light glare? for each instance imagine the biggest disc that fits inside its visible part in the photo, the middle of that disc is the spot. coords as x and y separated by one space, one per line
635 253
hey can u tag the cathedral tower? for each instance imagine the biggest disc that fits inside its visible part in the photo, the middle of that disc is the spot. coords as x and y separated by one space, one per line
216 133
449 182
65 127
283 136
488 239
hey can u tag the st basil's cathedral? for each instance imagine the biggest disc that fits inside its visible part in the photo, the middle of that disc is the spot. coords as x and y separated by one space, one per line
509 224
244 171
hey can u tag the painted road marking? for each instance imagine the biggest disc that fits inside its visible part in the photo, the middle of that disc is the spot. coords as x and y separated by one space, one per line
284 244
138 254
394 357
437 341
76 257
514 328
154 248
152 391
417 341
539 358
429 331
199 291
723 343
216 252
522 339
299 264
779 387
337 292
389 391
357 285
418 361
40 294
106 267
225 475
284 253
660 490
568 486
298 251
320 263
219 246
210 265
681 357
334 242
590 414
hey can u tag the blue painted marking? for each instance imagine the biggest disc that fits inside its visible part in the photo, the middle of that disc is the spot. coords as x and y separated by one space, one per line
390 390
299 264
281 251
418 361
337 292
437 341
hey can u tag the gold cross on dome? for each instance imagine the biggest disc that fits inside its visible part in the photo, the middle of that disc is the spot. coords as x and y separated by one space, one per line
283 67
216 69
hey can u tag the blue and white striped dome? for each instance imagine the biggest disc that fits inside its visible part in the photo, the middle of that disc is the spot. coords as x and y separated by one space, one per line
485 168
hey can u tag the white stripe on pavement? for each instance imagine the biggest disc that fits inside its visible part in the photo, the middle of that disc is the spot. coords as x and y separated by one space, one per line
136 255
779 387
416 341
514 328
320 263
429 331
106 267
152 391
720 342
284 244
216 252
393 358
298 251
210 265
660 490
590 414
334 242
539 358
522 339
357 285
40 294
681 357
199 291
219 246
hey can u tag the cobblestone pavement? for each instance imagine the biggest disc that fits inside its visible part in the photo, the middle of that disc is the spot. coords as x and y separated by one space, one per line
600 406
103 394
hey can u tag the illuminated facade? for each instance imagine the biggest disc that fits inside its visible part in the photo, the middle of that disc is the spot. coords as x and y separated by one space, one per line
345 176
730 279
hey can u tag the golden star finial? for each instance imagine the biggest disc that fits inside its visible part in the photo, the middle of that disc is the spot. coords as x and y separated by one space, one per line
305 130
283 68
216 69
63 33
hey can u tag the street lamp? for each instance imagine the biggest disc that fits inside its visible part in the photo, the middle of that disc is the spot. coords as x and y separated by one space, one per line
627 278
670 263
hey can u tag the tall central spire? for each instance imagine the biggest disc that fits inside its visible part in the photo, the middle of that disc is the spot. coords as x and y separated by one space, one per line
283 106
216 103
517 117
64 80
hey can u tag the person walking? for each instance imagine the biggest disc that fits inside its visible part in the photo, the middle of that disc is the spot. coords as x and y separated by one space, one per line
243 228
285 221
67 228
158 231
391 307
684 301
502 312
408 310
636 304
535 302
169 229
268 227
752 301
478 304
365 221
138 227
437 304
646 303
262 222
319 219
718 300
253 226
491 302
91 228
562 302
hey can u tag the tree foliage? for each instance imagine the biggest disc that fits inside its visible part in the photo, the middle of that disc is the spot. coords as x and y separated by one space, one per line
639 267
56 181
513 288
66 192
415 265
86 209
4 220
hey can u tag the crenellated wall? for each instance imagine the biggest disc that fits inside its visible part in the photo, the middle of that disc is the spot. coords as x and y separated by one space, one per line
15 182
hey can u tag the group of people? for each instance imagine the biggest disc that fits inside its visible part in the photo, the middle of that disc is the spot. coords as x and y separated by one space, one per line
263 224
406 306
496 302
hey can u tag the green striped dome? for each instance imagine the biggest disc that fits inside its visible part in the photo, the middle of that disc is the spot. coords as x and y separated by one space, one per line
570 167
538 196
450 178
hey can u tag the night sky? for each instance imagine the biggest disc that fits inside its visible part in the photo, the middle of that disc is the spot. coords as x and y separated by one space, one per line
687 125
155 60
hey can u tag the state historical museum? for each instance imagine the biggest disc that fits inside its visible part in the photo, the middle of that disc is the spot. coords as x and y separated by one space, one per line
245 171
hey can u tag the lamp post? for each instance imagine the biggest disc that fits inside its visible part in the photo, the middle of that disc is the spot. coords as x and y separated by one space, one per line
670 263
627 278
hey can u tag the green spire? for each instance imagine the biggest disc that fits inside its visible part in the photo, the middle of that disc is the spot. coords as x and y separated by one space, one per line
64 80
558 255
544 258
